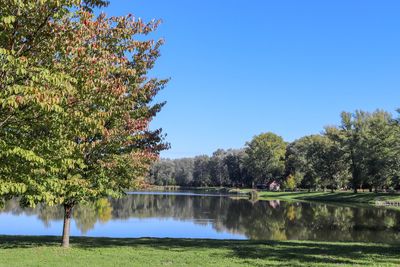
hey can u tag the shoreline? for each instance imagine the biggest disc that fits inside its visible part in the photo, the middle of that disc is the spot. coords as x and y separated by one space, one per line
367 198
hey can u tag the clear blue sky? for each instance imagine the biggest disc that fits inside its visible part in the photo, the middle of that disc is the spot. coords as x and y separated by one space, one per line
242 67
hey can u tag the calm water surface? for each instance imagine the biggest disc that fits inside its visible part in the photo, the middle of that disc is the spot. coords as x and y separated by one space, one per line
193 215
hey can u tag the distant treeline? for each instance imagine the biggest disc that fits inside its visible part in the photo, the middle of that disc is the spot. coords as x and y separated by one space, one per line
362 152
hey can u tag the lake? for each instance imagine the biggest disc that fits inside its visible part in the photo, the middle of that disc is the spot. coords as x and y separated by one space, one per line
194 215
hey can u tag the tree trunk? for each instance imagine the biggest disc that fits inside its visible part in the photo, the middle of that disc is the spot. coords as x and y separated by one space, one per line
67 225
355 190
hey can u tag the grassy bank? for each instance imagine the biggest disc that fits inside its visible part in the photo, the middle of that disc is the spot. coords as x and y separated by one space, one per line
45 251
339 196
345 197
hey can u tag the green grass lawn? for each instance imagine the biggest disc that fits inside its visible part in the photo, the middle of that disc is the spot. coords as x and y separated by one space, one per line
346 197
338 196
45 251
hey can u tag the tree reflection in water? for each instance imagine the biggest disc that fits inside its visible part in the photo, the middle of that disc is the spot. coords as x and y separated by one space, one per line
263 220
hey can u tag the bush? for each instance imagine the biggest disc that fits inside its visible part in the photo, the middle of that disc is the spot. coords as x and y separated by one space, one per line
290 183
253 195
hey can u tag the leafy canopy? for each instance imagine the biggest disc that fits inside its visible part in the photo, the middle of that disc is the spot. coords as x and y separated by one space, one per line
266 157
75 101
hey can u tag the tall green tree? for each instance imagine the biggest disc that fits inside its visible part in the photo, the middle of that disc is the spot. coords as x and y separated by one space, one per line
234 162
381 149
296 161
329 162
395 183
266 157
75 105
201 171
301 162
163 173
184 171
351 136
370 142
218 169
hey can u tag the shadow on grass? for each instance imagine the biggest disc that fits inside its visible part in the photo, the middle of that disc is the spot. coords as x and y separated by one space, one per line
361 197
280 251
351 197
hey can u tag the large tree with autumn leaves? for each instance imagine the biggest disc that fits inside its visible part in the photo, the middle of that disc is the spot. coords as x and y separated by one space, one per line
75 103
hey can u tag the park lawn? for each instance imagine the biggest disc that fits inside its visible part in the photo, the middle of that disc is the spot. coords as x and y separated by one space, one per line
345 197
319 196
45 251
